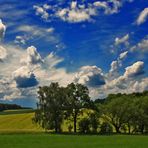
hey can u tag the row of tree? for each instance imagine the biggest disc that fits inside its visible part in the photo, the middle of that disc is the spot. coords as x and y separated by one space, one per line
118 112
127 113
9 106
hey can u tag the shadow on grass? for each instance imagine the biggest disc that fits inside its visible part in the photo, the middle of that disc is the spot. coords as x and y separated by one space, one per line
93 134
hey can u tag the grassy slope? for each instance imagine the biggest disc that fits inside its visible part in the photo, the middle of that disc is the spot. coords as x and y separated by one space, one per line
69 141
21 121
17 121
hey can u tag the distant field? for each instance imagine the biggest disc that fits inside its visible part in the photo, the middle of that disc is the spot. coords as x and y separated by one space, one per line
18 121
71 141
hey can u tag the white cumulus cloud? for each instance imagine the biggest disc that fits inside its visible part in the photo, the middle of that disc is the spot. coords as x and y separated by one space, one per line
91 76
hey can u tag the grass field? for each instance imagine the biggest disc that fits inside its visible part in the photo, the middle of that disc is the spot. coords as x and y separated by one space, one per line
18 131
17 121
71 141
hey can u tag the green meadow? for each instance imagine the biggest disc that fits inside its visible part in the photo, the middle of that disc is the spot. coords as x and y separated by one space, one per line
71 141
18 131
16 121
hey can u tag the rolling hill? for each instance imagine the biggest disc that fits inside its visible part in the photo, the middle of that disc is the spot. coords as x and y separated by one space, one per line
18 121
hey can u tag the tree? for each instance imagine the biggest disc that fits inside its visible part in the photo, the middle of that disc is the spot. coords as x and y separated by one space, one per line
50 108
141 120
94 121
128 112
78 99
114 112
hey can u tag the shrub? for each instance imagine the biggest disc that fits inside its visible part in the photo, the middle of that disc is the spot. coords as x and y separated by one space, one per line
106 128
84 125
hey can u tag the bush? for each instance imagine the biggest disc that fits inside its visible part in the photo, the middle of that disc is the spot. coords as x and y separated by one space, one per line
106 128
70 127
84 125
94 122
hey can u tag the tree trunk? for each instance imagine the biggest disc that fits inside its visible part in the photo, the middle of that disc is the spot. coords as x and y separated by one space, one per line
117 128
56 126
142 128
75 122
129 129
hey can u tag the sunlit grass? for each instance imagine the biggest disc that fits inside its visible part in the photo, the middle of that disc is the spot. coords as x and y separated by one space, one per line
72 141
18 121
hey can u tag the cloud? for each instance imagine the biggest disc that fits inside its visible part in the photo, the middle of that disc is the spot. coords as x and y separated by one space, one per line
114 69
79 13
110 7
24 77
2 29
141 47
115 65
25 69
76 14
35 30
33 57
33 33
123 40
115 82
52 60
14 95
42 11
131 73
21 39
100 4
116 5
91 76
123 55
3 53
140 86
135 70
143 16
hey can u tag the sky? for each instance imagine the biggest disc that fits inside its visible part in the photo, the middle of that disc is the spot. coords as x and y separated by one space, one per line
102 44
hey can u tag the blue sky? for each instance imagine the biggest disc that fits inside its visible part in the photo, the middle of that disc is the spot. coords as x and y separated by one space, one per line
102 44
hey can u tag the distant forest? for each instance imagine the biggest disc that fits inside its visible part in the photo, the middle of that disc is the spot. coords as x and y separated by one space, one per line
10 106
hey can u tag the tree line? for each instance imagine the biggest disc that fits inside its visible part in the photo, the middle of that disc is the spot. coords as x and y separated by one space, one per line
120 113
9 106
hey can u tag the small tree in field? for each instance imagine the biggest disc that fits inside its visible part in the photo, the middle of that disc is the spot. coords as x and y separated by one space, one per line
50 108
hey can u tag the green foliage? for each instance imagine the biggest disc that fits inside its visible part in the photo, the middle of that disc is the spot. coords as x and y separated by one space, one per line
84 125
124 113
78 99
57 103
50 109
106 128
127 112
94 121
9 106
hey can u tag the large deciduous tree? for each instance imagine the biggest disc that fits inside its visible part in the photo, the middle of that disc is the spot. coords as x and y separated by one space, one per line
78 99
114 112
50 108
